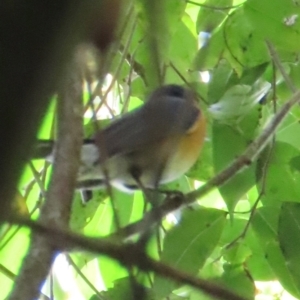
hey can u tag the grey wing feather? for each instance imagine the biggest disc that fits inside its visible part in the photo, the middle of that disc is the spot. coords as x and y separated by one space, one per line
152 122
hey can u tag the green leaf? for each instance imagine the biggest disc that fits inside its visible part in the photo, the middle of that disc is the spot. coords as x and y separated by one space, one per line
288 234
217 86
159 21
244 47
276 21
111 271
288 130
45 128
238 101
249 76
174 10
210 53
265 225
83 213
256 263
278 264
124 289
198 295
181 57
11 256
203 170
282 179
101 222
295 74
181 184
237 279
209 18
188 245
236 187
123 203
238 108
238 252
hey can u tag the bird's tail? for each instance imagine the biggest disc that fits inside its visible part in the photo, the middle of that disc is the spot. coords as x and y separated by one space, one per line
89 177
44 149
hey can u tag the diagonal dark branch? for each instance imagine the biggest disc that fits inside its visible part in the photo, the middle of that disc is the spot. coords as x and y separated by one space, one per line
127 254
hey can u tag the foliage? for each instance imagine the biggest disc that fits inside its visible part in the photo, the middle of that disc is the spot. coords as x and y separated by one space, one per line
230 42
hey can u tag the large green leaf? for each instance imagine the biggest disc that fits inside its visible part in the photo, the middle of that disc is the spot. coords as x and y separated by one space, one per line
289 239
237 279
236 122
211 52
228 143
265 224
181 57
238 101
256 263
276 21
188 245
244 47
82 213
157 23
283 176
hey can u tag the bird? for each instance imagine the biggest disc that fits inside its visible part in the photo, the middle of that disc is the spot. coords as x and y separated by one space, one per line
149 146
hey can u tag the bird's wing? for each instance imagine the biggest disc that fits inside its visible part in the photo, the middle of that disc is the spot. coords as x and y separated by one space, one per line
157 120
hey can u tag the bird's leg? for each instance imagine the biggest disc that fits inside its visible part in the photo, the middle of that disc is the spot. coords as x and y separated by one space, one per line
150 196
136 174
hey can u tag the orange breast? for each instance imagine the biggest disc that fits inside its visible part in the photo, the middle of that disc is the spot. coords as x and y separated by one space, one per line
192 142
187 152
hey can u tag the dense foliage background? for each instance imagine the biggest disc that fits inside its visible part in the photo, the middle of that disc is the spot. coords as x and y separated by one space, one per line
242 59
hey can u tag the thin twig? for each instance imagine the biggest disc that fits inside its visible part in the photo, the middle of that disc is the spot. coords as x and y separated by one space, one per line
84 278
280 67
261 193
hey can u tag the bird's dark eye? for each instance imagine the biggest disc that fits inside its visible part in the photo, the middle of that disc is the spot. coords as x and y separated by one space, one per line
175 91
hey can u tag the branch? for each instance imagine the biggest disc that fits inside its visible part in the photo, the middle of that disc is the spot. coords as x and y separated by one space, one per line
127 254
280 67
56 209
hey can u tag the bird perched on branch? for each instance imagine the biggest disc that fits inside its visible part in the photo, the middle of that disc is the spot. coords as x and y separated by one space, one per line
154 144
